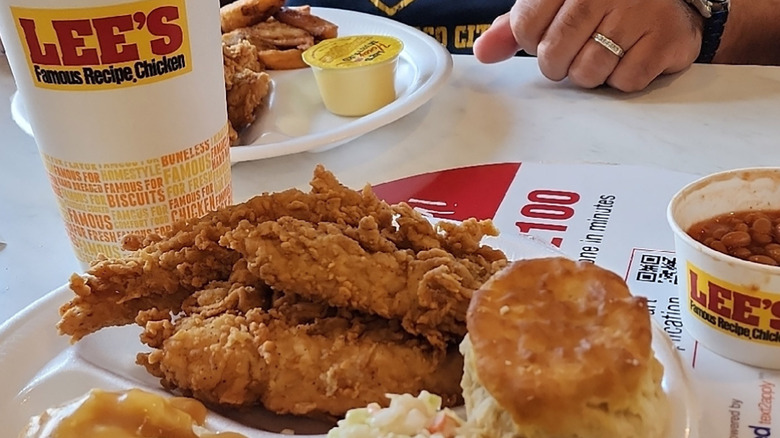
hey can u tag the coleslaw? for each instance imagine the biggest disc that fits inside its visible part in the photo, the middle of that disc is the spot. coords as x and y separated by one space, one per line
406 417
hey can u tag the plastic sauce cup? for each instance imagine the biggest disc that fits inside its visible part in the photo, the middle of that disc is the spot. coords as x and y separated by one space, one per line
732 306
355 74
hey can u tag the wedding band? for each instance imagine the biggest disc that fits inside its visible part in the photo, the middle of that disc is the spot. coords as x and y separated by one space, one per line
609 44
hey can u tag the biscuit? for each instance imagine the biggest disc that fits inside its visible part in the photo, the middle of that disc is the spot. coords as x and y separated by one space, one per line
561 349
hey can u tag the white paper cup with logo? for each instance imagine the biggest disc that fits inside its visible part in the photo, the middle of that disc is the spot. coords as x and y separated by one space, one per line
127 102
731 306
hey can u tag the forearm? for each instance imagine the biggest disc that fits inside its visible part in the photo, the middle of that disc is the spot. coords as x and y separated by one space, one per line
751 33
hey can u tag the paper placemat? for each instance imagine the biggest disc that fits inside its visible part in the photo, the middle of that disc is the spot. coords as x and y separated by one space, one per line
614 216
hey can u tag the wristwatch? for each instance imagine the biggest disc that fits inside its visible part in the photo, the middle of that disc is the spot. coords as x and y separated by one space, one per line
715 13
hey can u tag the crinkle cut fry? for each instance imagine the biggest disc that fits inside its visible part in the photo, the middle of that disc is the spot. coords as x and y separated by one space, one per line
360 269
326 366
166 269
244 13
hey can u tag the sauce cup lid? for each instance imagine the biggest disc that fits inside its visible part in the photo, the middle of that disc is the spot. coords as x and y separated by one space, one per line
353 51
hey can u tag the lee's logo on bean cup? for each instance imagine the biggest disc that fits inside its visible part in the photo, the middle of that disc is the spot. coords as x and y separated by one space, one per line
105 47
738 311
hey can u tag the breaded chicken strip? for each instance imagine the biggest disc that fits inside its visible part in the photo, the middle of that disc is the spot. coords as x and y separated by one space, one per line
166 269
425 285
294 358
246 84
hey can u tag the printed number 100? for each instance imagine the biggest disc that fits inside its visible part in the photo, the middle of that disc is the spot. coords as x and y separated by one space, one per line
550 206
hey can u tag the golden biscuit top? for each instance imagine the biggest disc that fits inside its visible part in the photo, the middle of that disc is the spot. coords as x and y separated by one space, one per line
552 335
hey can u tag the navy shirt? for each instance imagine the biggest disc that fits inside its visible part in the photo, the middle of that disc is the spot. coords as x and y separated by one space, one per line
454 23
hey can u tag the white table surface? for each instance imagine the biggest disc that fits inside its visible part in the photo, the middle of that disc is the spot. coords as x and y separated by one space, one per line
706 119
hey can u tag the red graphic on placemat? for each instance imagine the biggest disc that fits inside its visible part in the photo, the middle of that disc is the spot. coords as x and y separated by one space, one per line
456 194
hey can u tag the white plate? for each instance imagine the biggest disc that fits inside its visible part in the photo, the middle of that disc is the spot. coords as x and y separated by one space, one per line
295 119
40 369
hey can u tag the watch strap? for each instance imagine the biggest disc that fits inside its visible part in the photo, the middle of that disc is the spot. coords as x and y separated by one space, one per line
711 34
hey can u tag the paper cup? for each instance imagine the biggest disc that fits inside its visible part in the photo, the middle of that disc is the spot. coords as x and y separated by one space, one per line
732 306
127 102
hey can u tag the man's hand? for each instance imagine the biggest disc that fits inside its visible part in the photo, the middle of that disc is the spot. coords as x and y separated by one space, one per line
658 37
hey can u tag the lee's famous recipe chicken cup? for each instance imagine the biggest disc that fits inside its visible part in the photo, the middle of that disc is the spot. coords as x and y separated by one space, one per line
727 238
355 74
127 102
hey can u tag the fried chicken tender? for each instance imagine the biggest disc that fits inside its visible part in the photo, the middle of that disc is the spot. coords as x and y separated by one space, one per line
161 275
292 364
243 13
166 269
246 84
424 285
245 95
306 303
238 56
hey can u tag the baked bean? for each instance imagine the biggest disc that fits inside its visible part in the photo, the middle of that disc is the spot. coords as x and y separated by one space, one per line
740 253
751 217
752 235
773 250
736 239
719 232
763 260
761 238
762 225
719 246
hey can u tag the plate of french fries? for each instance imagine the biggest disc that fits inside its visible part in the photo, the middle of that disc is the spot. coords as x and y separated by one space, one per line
275 108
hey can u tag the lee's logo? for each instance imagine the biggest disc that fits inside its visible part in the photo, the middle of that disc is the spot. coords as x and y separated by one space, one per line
105 47
735 310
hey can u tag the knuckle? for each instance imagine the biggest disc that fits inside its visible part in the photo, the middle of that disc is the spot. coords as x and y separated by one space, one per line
585 77
572 18
589 69
524 27
627 83
550 61
636 74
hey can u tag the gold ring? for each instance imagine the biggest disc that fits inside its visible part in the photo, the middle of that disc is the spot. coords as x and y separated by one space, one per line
609 44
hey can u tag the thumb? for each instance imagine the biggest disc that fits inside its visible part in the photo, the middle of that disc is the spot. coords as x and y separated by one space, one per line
497 43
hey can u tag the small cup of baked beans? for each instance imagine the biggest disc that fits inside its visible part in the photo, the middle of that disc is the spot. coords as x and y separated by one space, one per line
727 238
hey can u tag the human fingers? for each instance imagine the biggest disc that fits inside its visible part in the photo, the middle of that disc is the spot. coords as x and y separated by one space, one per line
529 20
659 52
594 63
638 67
497 43
567 35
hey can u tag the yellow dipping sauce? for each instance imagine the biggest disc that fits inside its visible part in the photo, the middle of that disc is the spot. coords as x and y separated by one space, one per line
355 74
127 414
